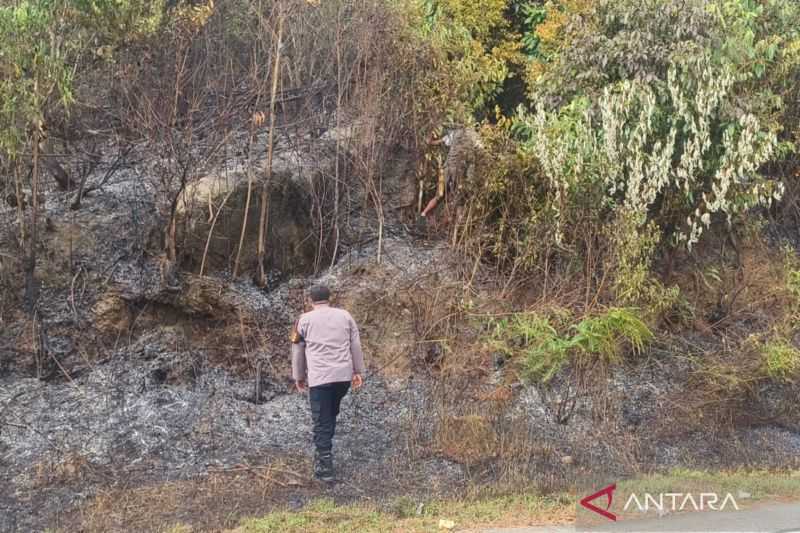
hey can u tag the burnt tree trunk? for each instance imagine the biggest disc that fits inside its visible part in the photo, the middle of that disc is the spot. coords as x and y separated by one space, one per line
265 185
31 284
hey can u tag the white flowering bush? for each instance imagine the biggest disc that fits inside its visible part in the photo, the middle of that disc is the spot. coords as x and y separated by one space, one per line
678 152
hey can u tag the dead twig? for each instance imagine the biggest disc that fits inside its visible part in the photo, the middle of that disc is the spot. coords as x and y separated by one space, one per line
72 296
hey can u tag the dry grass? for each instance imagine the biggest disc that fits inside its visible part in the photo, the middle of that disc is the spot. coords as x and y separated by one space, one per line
476 427
723 385
386 329
500 395
71 468
408 326
466 439
726 293
215 501
741 303
781 360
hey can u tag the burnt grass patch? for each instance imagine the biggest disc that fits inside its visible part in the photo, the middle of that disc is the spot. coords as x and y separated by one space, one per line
174 405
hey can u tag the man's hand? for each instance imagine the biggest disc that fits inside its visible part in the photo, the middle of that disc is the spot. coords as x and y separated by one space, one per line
357 381
301 385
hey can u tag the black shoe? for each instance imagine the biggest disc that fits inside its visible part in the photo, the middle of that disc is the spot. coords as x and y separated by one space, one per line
323 466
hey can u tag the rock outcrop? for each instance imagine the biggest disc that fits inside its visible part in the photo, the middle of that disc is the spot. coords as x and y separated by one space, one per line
219 202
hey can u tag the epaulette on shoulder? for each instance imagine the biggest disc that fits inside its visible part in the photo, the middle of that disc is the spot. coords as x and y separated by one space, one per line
295 336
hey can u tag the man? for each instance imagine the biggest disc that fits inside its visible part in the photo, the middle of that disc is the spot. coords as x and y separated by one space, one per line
464 145
326 360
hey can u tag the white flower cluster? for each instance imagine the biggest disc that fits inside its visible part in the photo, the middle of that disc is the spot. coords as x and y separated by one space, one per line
681 142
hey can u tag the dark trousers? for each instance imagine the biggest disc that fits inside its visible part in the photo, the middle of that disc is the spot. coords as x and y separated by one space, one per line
325 402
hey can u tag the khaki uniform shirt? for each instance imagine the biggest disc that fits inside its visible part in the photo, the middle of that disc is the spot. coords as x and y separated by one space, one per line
328 347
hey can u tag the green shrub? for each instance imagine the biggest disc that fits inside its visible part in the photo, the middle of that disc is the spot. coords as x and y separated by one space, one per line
781 360
630 264
793 283
544 351
669 151
667 112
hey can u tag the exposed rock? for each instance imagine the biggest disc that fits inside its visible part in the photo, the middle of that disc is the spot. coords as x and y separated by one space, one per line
205 296
111 313
221 200
287 165
206 191
190 294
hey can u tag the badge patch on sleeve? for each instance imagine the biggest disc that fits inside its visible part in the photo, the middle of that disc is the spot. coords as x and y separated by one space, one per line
295 336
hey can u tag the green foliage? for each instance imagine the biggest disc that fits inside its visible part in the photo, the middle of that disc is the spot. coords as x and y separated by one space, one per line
791 267
34 62
603 337
592 44
669 150
596 339
179 528
646 123
325 516
527 16
781 360
479 52
404 507
632 247
41 43
543 350
793 283
114 22
725 381
757 35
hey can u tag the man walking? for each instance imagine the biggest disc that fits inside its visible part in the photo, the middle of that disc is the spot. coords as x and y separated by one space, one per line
326 360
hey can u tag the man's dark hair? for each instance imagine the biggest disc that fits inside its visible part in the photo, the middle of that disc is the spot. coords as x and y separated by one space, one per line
319 293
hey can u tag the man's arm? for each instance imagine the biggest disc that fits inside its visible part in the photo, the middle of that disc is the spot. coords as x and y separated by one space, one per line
299 366
357 354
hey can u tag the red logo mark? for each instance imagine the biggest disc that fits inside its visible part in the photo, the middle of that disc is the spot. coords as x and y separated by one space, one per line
609 493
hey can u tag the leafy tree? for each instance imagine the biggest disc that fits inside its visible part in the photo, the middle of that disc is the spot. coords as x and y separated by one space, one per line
481 53
645 124
677 151
35 54
588 44
34 58
41 44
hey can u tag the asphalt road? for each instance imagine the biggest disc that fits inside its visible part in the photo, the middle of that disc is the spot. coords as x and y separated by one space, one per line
765 518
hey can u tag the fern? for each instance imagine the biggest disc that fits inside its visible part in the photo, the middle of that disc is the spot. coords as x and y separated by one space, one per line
544 352
606 335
